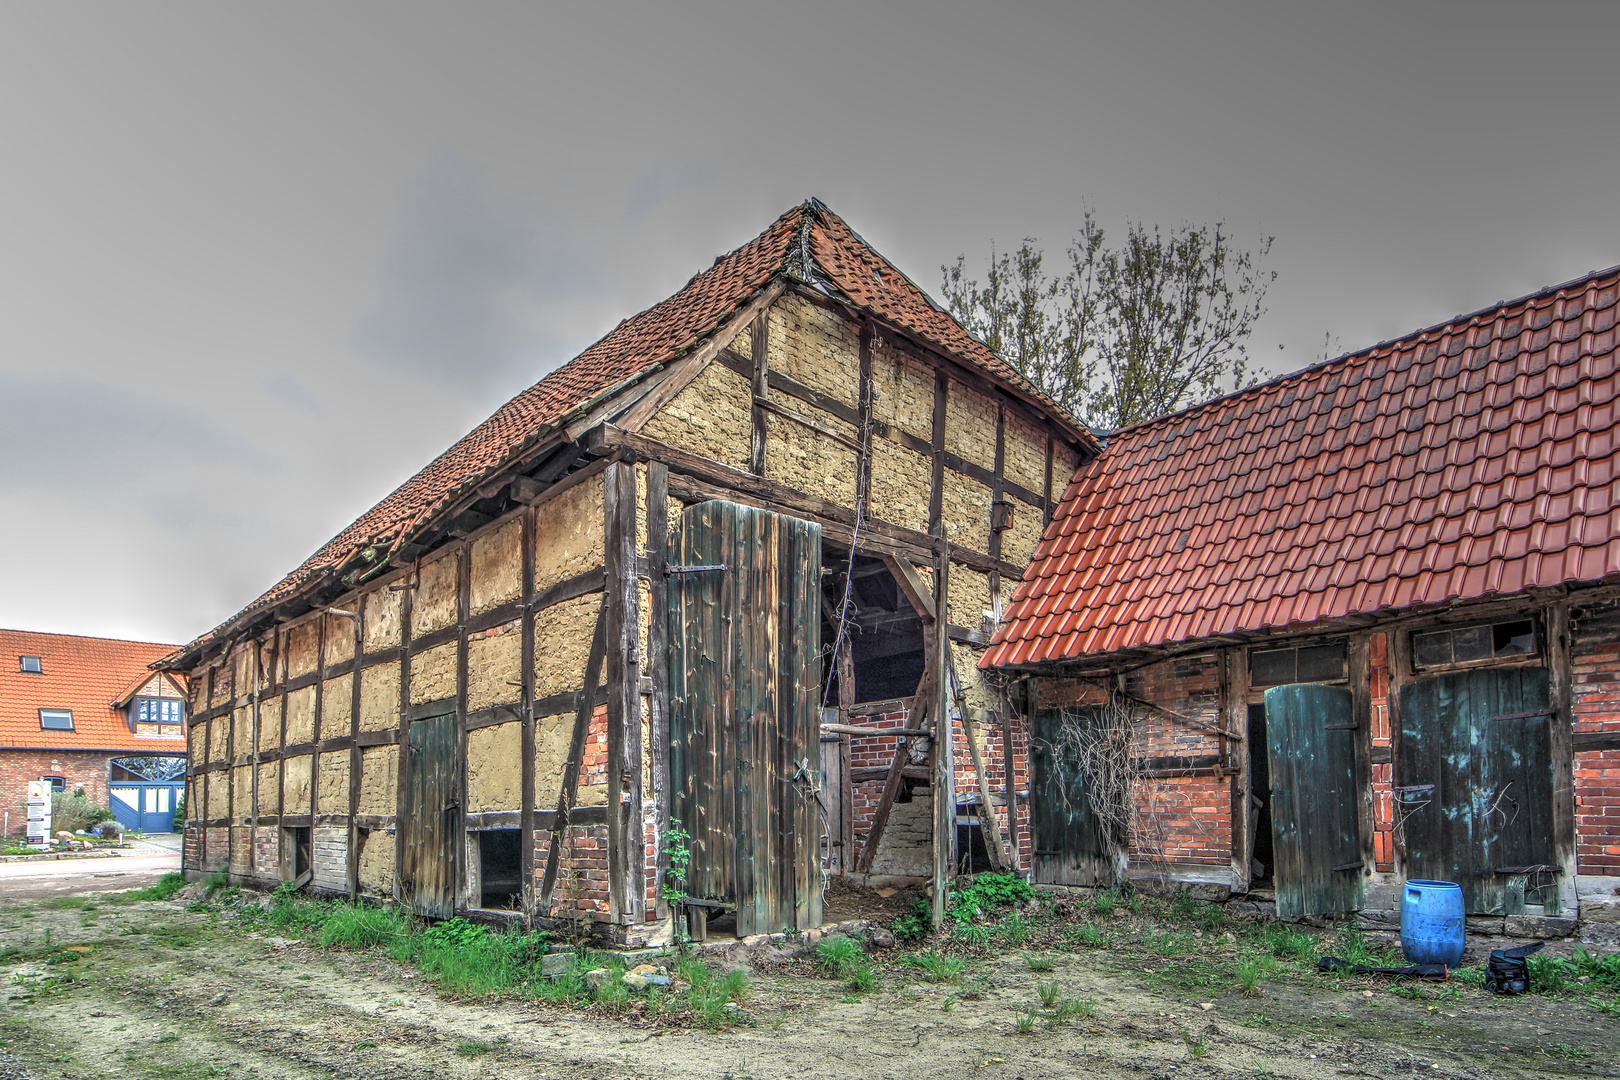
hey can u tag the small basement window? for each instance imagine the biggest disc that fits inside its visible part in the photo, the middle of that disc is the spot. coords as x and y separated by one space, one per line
29 664
1306 664
58 783
1470 644
56 719
500 868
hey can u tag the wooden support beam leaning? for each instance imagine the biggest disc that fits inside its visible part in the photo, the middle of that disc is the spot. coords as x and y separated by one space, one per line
944 765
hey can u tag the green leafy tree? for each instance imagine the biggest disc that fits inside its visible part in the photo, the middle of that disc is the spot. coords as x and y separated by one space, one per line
1123 333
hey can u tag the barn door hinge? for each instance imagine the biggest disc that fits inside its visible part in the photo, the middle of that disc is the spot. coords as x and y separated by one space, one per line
1341 727
691 569
1357 865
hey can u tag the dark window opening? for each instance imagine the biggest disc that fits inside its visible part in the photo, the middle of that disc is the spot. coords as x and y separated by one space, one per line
885 633
295 852
972 855
1261 860
1471 644
1307 664
58 783
56 719
500 869
29 664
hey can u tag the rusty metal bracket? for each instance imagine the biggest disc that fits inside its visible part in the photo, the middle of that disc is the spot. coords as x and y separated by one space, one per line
668 570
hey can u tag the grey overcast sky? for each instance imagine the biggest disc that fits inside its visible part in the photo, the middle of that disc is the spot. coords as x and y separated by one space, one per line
260 263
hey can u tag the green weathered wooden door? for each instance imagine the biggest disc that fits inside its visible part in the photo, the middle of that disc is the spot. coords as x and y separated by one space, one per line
745 720
1068 844
1475 785
1315 800
432 817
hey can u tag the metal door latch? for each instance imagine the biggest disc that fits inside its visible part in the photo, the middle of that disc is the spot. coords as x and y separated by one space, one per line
691 569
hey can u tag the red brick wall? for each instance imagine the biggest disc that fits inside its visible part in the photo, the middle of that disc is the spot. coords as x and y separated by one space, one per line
79 767
582 879
1185 819
1595 693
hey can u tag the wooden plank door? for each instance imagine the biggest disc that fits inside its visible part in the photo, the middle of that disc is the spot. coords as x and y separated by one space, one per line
1315 817
432 817
745 679
1069 847
1475 788
838 848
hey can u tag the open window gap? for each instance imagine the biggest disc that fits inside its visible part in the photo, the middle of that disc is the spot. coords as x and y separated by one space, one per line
886 639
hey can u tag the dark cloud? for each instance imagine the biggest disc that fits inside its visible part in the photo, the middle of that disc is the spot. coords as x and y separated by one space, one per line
120 449
660 181
466 279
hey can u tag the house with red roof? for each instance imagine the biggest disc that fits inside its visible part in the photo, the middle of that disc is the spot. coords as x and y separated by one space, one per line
86 712
1359 624
718 583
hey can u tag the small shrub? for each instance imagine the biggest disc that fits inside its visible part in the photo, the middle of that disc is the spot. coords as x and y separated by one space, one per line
988 893
936 968
915 923
70 813
862 978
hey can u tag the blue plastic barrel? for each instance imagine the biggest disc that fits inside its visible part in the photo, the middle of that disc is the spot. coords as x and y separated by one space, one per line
1432 923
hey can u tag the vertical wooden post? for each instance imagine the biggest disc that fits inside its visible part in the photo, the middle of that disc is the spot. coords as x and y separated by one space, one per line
1009 784
619 605
1046 492
1398 648
761 418
459 839
936 493
944 794
315 737
1562 756
403 762
526 716
207 776
1360 670
657 648
1235 717
356 758
230 767
253 818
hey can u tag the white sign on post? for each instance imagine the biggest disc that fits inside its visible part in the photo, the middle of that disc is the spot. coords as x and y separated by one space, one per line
39 813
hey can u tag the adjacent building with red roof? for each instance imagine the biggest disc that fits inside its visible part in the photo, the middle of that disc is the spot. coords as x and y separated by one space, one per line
1365 618
71 706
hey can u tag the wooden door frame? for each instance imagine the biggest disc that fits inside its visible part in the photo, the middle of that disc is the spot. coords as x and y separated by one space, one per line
444 708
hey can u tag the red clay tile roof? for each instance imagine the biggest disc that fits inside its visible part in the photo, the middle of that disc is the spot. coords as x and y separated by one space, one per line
1470 459
637 347
84 674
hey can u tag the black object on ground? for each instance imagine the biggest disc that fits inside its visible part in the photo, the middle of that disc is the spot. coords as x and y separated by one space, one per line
1507 972
1418 971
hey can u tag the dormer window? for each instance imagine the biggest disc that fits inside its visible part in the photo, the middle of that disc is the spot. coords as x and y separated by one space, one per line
56 719
152 710
29 664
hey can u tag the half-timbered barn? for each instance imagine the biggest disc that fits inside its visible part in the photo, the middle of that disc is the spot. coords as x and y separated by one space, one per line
1360 624
729 568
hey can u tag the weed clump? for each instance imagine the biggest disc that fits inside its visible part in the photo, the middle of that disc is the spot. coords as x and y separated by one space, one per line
937 967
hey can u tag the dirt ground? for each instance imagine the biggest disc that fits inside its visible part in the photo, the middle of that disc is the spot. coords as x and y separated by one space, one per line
153 990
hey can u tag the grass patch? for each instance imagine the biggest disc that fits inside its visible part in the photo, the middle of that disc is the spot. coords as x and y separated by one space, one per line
1289 944
474 1047
66 903
1015 930
1089 936
1048 993
837 955
936 967
165 889
1038 963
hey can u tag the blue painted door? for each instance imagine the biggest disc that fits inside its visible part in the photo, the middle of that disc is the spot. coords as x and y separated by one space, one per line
145 807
